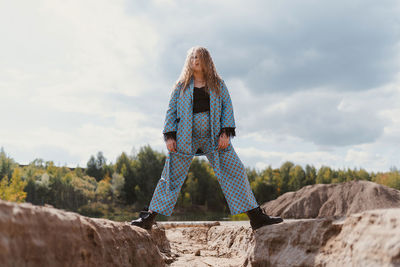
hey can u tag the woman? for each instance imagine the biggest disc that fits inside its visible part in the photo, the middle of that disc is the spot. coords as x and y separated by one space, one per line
200 121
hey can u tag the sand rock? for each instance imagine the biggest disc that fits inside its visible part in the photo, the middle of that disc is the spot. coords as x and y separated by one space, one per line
371 238
44 236
230 240
209 244
333 200
159 238
292 243
176 224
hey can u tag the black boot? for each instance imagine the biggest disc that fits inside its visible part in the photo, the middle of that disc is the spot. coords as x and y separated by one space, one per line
258 218
146 219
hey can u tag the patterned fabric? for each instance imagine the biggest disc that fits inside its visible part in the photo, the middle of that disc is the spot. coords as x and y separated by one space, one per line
171 117
227 166
179 115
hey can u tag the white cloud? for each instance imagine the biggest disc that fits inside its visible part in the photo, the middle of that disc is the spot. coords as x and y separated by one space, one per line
277 158
314 86
360 157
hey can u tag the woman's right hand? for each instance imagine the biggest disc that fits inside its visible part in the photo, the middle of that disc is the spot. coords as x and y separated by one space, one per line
171 145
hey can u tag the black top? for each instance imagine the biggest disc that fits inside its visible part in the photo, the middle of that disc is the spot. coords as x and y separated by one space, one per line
201 102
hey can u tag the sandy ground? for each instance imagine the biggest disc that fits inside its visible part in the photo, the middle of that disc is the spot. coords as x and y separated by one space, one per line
189 244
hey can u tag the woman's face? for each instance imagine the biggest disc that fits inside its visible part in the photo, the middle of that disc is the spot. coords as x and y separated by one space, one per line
196 62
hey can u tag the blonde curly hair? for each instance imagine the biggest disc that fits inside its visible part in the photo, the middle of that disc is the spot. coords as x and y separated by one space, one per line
212 79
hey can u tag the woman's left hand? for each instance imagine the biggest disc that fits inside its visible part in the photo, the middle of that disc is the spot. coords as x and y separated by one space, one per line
223 141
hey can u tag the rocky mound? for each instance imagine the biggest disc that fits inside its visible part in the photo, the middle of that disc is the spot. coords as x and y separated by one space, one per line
333 200
44 236
370 238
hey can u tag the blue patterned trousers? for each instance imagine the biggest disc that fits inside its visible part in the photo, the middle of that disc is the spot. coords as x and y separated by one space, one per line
232 176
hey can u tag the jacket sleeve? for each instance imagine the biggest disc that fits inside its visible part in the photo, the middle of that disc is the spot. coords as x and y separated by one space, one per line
170 123
227 116
229 131
169 135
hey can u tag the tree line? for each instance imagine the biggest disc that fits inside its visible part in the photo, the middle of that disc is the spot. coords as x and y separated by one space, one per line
118 190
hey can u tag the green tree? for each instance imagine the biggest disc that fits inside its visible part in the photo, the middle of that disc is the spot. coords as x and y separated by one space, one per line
390 179
104 191
38 189
191 190
324 175
215 200
263 190
252 174
13 189
363 175
311 175
285 176
297 178
127 167
341 176
38 163
97 167
7 164
148 170
117 186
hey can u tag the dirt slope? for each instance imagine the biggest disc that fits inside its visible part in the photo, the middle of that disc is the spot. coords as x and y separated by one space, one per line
44 236
333 200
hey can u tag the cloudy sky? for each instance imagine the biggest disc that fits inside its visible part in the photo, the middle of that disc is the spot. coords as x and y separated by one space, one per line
313 82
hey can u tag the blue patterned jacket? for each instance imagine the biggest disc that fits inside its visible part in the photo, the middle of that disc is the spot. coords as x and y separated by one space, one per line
179 116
